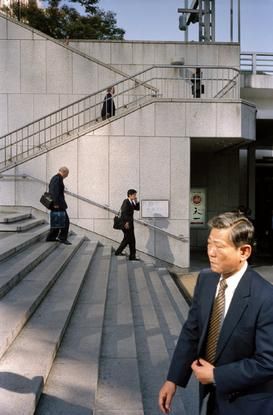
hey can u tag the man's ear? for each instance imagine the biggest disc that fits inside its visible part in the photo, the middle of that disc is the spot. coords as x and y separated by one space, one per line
245 251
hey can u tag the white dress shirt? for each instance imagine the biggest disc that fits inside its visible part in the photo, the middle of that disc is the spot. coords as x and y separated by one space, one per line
232 283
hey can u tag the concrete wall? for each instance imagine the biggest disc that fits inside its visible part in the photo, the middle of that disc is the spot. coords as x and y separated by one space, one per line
38 76
103 165
259 90
134 56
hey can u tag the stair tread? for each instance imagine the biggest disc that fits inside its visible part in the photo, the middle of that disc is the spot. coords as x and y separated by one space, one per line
14 268
118 353
15 242
30 357
78 356
20 226
21 301
13 217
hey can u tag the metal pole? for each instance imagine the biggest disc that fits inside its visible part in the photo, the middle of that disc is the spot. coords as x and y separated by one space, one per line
186 36
213 20
239 21
231 20
200 20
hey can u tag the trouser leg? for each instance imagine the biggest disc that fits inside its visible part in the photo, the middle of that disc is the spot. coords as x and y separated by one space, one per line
212 408
123 243
64 231
52 234
132 243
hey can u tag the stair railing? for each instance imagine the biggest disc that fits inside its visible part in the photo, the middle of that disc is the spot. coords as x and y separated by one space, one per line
84 115
93 203
253 62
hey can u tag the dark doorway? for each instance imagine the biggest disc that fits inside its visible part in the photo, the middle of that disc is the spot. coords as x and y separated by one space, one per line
264 206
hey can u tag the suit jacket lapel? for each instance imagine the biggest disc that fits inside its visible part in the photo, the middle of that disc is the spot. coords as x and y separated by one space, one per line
238 305
207 307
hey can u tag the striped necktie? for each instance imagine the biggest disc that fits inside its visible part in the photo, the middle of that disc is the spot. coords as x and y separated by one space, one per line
215 323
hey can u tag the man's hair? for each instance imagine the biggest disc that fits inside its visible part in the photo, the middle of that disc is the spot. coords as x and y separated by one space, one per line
241 229
64 169
131 192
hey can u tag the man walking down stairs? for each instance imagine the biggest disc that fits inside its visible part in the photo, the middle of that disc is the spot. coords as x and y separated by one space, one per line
56 189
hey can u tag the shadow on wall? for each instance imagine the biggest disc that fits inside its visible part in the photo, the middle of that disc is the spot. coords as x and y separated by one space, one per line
158 243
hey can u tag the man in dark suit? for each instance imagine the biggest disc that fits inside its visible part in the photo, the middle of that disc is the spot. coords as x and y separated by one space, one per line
108 107
56 189
128 207
238 375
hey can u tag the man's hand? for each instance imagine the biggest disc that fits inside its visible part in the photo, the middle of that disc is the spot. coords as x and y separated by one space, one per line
166 394
203 371
126 226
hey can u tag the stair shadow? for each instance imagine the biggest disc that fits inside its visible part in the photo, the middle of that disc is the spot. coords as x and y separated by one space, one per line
49 405
18 383
158 243
155 342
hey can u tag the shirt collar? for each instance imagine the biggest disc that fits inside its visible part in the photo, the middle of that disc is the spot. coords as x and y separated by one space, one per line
234 279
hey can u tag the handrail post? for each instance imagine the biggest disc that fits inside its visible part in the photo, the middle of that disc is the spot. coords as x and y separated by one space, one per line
254 63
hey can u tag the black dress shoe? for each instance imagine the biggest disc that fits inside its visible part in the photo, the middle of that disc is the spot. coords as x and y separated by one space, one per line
134 259
63 241
121 254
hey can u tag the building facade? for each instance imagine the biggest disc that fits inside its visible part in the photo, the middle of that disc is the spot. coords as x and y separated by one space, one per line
184 134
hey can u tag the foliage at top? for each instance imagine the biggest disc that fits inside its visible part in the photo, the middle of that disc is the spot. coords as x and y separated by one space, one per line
61 21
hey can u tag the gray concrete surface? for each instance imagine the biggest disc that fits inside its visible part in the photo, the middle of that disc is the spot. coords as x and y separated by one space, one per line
72 384
30 356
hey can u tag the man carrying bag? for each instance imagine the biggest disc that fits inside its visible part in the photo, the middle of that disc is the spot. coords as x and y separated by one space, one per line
127 209
59 220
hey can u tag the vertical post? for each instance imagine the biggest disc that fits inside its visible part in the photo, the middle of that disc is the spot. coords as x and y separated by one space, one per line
207 21
186 35
231 20
239 21
254 63
213 20
200 4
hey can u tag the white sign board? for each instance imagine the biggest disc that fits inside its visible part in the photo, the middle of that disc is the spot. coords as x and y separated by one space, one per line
155 208
198 207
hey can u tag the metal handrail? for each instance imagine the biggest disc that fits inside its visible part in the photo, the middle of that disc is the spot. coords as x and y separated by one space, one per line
261 62
92 202
158 81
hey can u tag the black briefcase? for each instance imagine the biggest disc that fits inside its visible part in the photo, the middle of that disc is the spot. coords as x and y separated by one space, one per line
47 200
118 223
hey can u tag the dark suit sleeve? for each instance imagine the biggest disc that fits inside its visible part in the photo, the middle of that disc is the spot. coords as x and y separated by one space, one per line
137 206
257 368
125 211
186 349
54 189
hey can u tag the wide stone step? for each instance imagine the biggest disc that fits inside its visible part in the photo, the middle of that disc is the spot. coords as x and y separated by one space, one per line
118 387
18 305
22 226
26 365
14 243
6 217
158 318
79 353
16 267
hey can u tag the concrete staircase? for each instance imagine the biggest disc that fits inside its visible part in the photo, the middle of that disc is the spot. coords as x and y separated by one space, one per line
82 331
